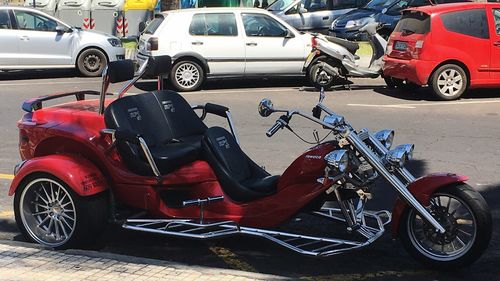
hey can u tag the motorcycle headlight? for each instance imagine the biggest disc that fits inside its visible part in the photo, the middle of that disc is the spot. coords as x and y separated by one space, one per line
338 160
399 155
386 137
115 42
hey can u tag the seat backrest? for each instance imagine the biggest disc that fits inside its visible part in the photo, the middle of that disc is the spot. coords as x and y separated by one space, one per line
180 117
228 153
160 117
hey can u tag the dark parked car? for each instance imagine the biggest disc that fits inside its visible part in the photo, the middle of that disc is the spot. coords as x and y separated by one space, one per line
387 12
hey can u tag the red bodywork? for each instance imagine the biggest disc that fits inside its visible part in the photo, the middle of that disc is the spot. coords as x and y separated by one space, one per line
422 189
65 141
441 46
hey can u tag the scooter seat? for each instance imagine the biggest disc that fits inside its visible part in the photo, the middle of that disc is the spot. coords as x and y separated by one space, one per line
240 178
352 47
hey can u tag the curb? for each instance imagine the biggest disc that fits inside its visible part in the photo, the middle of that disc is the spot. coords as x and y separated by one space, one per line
147 261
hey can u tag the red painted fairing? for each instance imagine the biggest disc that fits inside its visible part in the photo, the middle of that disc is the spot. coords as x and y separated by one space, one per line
74 128
79 173
422 189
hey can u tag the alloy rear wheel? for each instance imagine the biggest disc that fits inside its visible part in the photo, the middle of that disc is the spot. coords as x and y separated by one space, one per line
449 82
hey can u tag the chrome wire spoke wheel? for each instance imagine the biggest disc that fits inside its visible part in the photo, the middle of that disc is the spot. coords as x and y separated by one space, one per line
187 75
459 222
450 82
48 212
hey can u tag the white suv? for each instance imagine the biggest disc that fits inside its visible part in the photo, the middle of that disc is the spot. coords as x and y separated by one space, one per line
224 42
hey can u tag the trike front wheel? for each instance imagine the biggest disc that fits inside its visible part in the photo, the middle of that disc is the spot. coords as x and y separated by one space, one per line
464 214
50 213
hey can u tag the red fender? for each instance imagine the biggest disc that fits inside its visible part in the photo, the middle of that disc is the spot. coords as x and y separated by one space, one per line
77 172
422 189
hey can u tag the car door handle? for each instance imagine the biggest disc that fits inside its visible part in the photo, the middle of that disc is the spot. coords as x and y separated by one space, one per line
24 38
325 18
252 44
496 43
197 43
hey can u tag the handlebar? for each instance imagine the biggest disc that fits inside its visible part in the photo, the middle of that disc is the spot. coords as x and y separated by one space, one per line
280 124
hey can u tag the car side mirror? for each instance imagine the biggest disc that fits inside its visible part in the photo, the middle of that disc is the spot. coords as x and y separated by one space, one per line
289 34
142 26
61 29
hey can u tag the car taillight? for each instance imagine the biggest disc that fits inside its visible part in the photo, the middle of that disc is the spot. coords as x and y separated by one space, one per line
417 51
152 44
314 42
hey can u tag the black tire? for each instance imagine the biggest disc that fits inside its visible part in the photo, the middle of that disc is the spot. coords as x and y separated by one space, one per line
320 78
186 76
443 82
90 213
91 62
481 216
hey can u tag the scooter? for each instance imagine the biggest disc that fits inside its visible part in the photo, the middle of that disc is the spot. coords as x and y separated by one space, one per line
333 60
150 163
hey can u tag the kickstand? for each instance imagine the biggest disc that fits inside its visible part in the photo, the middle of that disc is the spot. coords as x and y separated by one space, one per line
347 83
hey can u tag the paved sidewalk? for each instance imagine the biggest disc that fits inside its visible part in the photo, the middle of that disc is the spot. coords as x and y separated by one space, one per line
23 261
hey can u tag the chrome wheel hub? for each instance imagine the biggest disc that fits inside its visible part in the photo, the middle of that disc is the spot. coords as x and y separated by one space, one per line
187 75
47 212
457 219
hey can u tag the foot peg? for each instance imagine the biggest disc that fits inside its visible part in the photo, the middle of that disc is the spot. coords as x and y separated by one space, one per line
202 203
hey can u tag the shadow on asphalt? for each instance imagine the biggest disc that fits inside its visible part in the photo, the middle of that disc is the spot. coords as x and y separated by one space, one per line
38 74
425 94
8 226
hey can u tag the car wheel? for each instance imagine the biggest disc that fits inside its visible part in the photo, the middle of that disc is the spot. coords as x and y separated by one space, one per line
50 213
186 76
449 82
91 62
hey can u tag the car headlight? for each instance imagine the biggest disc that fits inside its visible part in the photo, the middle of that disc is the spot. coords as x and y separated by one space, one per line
385 137
399 155
115 42
358 23
338 160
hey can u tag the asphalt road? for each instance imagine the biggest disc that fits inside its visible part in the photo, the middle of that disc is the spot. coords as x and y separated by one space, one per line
460 137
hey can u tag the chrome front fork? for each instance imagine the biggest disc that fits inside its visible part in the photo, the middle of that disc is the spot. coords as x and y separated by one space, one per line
375 161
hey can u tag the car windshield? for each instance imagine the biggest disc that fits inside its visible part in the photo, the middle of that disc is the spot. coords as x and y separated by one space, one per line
378 4
153 25
280 5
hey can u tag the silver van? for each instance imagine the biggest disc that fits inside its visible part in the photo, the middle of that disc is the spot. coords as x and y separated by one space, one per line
313 15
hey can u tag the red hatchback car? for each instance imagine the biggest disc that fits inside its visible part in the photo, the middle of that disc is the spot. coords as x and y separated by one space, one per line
450 47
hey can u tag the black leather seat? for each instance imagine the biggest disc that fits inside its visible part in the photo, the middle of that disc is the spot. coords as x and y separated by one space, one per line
352 47
241 179
171 129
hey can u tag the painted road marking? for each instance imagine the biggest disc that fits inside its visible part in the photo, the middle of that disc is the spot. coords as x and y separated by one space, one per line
6 176
414 105
6 214
231 259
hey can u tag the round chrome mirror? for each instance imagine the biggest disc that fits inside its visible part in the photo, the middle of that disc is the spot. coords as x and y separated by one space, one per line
266 107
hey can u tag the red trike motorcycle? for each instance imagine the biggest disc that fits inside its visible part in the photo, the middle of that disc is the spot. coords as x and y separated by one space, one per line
149 162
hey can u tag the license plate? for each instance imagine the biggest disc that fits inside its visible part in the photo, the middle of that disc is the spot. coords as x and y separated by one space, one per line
400 46
309 59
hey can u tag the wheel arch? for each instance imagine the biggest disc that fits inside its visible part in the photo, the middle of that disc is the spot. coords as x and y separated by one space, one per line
451 61
194 57
81 175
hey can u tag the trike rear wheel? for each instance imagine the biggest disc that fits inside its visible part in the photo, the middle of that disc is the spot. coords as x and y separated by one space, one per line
50 213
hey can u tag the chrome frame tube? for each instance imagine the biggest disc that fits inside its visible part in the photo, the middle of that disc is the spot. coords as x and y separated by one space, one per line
398 185
104 89
137 76
231 126
149 157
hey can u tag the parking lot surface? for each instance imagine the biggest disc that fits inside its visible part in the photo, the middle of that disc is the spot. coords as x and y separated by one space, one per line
460 136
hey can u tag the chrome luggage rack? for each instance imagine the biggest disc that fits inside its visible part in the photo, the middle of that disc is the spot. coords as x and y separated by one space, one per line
371 228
